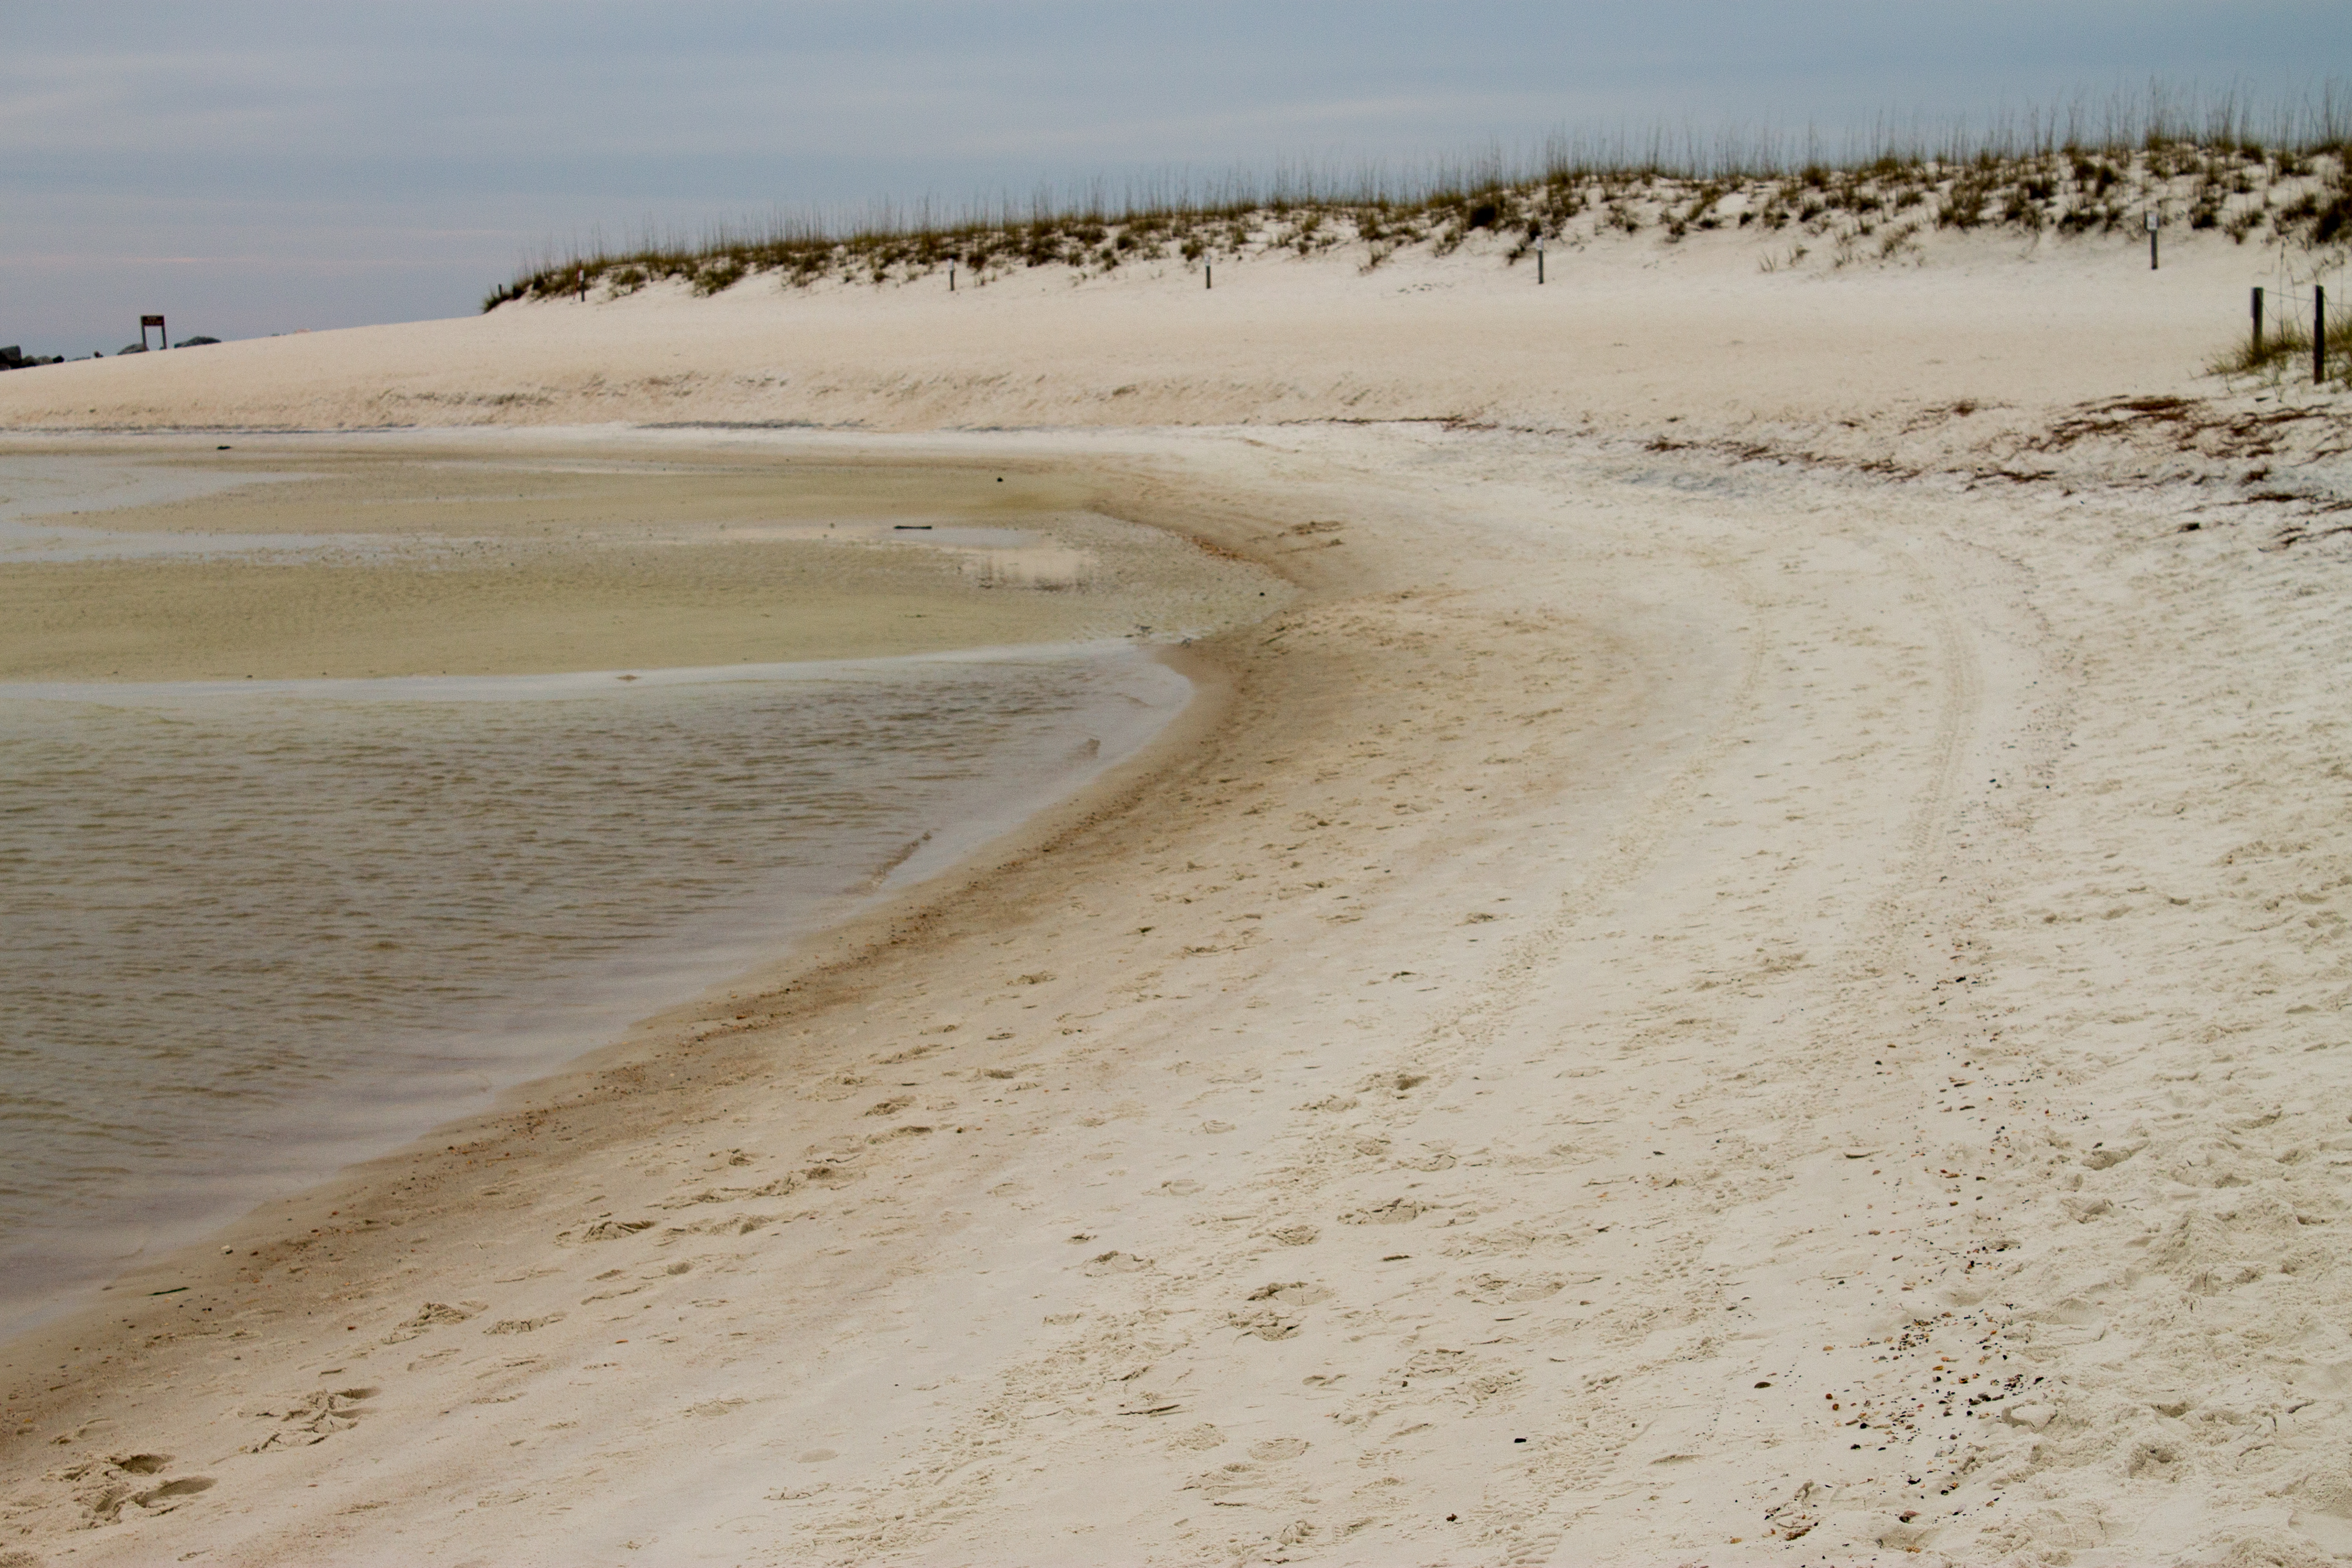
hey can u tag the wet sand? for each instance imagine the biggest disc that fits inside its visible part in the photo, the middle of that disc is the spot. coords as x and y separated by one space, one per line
405 560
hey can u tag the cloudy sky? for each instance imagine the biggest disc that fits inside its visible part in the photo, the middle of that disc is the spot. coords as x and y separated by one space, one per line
248 167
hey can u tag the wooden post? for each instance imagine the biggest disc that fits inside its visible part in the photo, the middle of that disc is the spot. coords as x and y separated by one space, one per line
950 276
2319 334
2258 321
1540 261
2153 221
1208 275
583 281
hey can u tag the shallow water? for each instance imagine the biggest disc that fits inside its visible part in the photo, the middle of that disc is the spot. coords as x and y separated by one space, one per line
257 930
41 495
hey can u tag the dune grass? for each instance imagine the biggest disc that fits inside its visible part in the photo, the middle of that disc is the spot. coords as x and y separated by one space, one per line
2284 353
2281 176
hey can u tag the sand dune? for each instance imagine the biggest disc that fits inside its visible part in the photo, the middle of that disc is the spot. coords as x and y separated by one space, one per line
1626 333
1751 971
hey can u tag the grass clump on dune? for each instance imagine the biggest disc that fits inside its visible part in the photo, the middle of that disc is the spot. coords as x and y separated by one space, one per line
2284 353
2067 174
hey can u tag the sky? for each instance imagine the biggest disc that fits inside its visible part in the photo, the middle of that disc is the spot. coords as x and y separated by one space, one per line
247 166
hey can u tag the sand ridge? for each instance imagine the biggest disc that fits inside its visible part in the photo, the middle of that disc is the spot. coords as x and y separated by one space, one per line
1624 336
1739 993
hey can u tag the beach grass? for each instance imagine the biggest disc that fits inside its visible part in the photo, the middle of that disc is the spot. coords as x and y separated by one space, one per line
2280 173
2285 352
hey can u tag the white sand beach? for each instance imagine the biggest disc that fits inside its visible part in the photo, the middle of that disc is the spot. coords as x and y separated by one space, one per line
1751 969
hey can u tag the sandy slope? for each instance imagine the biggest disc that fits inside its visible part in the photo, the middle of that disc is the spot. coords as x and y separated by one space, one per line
1747 991
1626 334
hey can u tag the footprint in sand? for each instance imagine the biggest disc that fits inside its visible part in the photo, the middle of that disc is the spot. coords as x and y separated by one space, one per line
103 1489
1272 1311
1296 1292
1265 1323
1273 1449
1117 1263
313 1418
1494 1290
172 1493
432 1314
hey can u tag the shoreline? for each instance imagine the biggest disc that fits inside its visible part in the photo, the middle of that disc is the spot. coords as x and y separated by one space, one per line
1712 990
875 922
833 949
516 1040
779 484
666 1082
